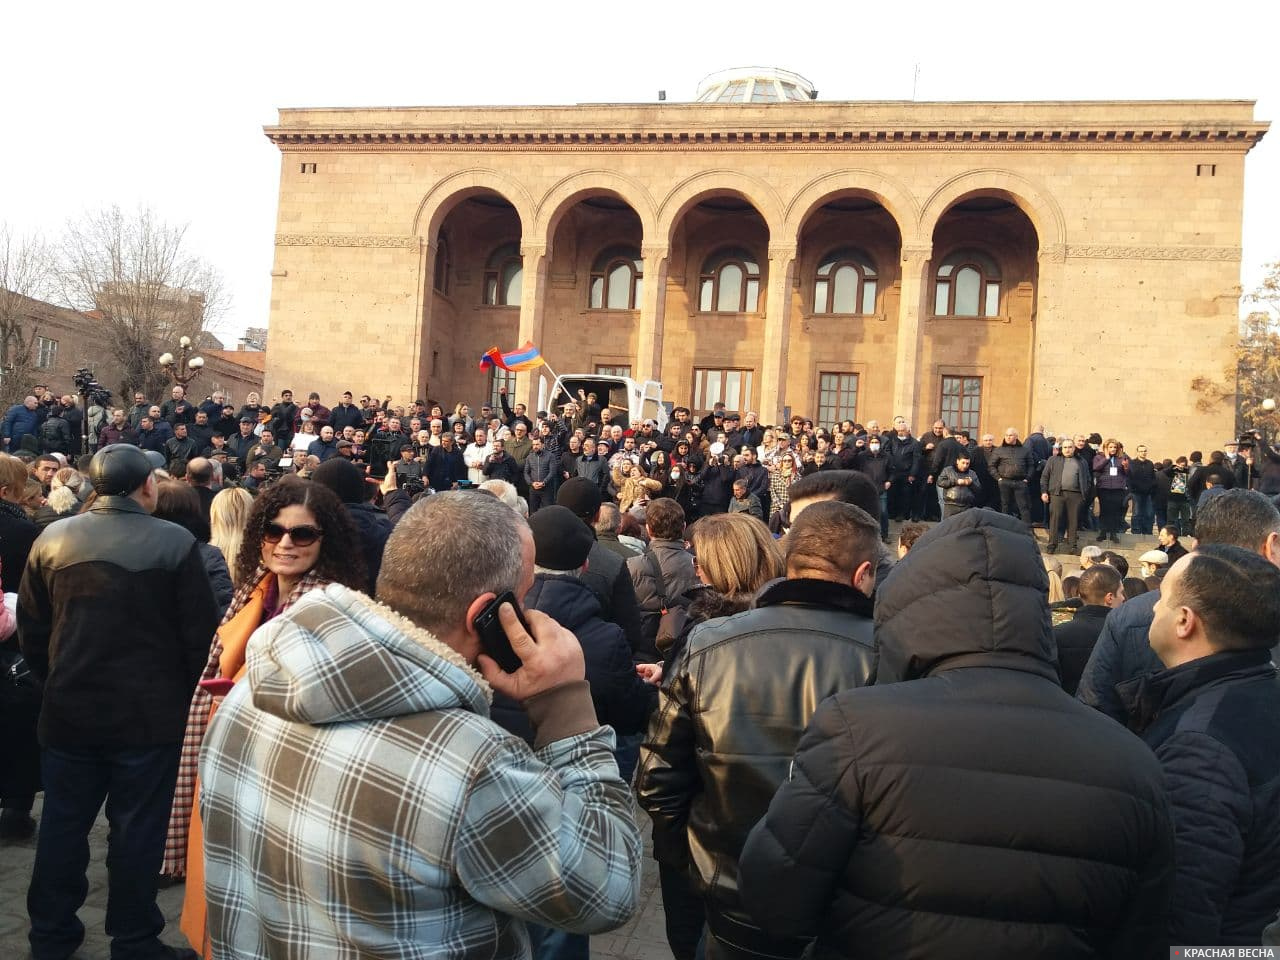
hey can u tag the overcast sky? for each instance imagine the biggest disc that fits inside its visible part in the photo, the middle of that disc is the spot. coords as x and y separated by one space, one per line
164 103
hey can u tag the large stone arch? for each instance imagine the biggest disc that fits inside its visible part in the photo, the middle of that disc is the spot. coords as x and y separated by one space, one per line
1033 200
449 192
711 183
585 184
889 193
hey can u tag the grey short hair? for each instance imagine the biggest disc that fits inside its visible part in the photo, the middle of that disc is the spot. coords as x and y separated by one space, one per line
1092 552
609 519
447 550
507 494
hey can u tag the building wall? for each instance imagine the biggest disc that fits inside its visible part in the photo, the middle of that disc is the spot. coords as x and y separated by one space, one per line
1122 267
79 346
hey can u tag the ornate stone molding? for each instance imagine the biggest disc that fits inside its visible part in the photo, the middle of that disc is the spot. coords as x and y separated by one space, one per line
916 252
1054 253
782 251
684 138
1116 251
345 240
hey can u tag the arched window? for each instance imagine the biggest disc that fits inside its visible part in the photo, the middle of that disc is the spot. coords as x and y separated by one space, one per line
443 265
967 284
730 283
503 275
845 283
617 279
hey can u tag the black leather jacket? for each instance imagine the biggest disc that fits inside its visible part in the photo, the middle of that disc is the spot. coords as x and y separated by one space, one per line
728 724
115 614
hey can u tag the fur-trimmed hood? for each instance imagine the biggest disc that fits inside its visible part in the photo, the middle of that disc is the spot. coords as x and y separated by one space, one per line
338 655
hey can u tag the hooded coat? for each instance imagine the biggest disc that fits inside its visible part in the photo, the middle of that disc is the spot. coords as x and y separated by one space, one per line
358 801
977 809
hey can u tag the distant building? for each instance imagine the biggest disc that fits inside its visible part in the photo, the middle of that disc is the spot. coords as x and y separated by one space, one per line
1075 264
67 340
255 338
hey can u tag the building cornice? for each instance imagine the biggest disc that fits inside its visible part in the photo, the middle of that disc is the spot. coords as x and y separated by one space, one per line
821 125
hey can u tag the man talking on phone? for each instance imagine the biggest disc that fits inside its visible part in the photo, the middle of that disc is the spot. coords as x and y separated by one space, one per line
356 796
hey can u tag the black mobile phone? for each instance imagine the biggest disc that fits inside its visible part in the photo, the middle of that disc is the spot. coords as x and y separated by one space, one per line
493 639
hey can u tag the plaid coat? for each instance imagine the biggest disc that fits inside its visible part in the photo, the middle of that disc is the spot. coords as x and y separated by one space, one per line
358 802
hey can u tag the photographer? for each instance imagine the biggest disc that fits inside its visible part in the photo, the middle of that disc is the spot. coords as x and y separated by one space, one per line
717 483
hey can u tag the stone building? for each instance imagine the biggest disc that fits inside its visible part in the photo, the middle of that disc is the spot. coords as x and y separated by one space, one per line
1074 264
67 340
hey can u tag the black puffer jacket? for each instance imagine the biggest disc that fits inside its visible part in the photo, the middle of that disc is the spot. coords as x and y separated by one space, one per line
1214 724
977 810
728 723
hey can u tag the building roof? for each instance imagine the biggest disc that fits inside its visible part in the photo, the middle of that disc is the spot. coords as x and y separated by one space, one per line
255 360
1016 125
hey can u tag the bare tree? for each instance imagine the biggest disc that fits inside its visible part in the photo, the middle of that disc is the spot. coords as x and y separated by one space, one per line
148 288
27 272
1252 377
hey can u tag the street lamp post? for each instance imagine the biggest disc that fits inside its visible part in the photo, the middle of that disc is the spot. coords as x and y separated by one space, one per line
185 368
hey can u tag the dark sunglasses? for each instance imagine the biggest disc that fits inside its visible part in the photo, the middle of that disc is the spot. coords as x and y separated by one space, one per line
302 536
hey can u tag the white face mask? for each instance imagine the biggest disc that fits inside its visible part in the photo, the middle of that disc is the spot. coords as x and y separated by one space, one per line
875 448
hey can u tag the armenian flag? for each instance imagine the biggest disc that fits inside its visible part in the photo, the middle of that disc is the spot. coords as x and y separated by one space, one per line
527 357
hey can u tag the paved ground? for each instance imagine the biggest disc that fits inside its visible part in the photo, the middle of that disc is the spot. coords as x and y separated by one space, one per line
642 939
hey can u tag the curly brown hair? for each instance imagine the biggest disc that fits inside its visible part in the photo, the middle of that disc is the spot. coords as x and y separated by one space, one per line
341 554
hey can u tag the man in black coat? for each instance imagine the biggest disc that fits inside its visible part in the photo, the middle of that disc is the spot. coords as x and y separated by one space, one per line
1102 590
1212 716
1238 518
965 800
730 715
372 524
903 451
118 677
1012 464
500 465
346 414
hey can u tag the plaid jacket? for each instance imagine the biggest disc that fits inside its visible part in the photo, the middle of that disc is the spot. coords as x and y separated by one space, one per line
358 802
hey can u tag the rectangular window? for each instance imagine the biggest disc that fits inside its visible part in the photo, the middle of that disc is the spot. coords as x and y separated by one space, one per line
606 371
46 353
499 378
961 403
732 387
837 398
308 168
1206 169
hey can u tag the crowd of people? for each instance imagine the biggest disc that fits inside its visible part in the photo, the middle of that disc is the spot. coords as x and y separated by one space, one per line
402 677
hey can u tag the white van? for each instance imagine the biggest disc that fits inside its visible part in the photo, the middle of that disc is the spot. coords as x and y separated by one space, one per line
631 401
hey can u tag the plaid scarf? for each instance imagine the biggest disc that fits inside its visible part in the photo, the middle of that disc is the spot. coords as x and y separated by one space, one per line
175 847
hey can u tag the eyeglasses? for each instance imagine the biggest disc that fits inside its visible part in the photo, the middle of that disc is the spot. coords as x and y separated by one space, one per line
302 536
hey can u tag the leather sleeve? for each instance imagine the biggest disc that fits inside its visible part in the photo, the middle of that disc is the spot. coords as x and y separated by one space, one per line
35 619
667 778
795 855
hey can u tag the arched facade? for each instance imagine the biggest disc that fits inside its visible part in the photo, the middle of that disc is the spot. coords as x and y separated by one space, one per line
639 200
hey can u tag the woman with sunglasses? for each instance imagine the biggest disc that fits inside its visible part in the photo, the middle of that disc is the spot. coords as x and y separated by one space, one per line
298 538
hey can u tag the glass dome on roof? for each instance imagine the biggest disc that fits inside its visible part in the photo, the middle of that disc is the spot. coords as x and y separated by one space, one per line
754 85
